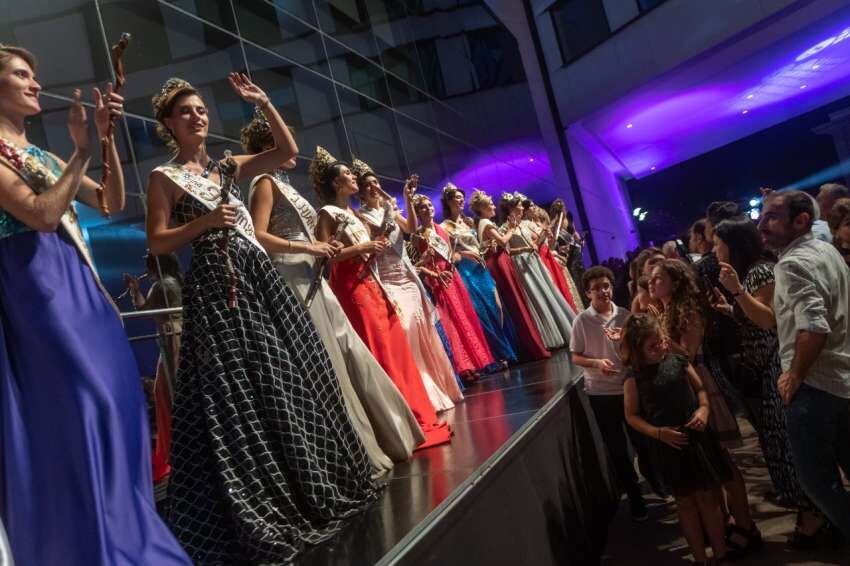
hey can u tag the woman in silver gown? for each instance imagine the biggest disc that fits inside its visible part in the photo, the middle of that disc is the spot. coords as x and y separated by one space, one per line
549 308
285 225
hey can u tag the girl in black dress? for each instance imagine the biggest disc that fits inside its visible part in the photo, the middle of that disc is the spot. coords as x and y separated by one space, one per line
665 400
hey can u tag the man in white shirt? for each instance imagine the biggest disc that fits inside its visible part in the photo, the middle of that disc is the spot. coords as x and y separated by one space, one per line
604 374
812 306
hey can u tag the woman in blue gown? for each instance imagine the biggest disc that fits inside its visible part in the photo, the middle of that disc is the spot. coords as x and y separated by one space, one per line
75 470
497 324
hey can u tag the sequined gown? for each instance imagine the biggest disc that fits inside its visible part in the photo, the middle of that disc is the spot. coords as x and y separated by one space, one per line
554 268
548 307
373 315
469 346
417 314
495 320
377 410
75 454
530 344
264 457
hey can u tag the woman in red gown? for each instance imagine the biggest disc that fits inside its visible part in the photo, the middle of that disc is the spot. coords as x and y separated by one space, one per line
359 291
501 267
470 351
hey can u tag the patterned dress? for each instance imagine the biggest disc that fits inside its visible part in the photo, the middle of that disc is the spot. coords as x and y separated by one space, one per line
759 363
264 456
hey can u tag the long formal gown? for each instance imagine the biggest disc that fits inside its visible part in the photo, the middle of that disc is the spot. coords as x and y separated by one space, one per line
495 320
264 457
417 313
550 310
502 269
552 266
75 455
375 318
380 414
460 322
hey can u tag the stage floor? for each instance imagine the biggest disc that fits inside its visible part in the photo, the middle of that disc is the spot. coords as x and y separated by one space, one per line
493 410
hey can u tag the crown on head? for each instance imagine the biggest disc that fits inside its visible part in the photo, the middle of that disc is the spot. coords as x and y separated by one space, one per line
449 189
361 169
521 197
319 166
257 129
171 87
478 198
418 200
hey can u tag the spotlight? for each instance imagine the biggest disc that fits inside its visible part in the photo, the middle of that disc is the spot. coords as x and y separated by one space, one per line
803 86
643 215
815 67
754 202
744 111
751 96
636 212
629 125
652 168
754 213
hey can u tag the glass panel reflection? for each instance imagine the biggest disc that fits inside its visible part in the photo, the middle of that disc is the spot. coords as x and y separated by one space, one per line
372 134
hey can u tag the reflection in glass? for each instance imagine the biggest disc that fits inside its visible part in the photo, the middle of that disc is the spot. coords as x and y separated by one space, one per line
168 43
372 134
305 100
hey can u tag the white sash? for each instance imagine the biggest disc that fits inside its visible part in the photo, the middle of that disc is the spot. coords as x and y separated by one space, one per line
209 194
438 244
305 210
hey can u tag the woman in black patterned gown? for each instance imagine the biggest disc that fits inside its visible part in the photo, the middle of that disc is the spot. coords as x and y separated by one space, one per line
265 459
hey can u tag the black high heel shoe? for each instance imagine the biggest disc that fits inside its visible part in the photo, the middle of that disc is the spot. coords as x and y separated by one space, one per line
736 550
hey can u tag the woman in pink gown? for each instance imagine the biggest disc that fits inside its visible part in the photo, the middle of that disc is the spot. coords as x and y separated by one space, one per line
398 276
538 223
466 337
502 269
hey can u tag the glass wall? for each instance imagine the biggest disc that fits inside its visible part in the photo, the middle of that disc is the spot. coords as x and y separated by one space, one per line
410 86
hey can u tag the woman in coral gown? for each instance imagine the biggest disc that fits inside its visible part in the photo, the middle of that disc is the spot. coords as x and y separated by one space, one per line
285 224
460 321
369 307
496 322
502 269
398 276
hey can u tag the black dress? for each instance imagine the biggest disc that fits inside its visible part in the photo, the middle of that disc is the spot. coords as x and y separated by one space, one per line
667 399
265 459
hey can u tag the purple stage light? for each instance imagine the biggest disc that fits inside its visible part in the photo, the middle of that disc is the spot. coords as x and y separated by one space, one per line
691 110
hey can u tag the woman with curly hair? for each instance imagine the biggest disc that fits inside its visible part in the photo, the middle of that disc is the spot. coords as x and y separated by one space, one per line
682 316
264 457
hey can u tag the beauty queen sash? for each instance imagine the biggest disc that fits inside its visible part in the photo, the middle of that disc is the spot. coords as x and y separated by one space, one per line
209 194
305 210
357 232
377 217
39 178
436 243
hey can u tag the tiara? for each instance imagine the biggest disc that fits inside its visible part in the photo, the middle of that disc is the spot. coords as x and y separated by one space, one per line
361 168
256 129
319 166
163 97
418 200
450 188
521 197
510 197
478 196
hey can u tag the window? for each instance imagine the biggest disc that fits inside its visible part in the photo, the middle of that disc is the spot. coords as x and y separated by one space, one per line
581 25
495 57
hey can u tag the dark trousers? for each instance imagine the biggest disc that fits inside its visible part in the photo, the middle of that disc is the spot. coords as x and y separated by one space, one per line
820 442
611 419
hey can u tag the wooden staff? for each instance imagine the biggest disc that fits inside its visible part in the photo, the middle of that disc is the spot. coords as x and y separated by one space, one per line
323 263
227 171
120 79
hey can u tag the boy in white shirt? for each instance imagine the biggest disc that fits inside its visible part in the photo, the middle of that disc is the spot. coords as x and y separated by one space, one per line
604 374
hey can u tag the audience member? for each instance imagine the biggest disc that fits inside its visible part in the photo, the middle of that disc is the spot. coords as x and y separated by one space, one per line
811 306
828 196
603 380
698 244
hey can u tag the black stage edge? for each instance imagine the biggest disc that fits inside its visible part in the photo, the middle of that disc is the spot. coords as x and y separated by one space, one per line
524 481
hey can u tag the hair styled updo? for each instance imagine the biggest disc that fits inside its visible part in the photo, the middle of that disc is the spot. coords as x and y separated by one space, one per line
9 52
163 104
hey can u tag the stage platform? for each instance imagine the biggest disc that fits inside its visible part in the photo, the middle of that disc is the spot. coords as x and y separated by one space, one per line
524 481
